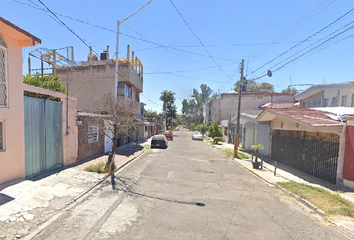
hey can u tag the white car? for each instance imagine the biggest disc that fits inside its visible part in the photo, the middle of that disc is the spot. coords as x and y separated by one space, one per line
197 136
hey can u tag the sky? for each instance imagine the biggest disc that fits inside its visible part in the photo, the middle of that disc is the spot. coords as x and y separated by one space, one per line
183 44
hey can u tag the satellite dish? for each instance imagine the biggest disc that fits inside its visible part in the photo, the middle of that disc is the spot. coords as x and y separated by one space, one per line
269 73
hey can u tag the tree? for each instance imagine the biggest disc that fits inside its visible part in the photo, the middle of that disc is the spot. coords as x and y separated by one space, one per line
168 97
114 121
250 85
291 90
215 132
47 82
192 109
202 128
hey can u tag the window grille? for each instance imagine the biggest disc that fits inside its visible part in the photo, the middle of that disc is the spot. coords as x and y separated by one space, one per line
92 134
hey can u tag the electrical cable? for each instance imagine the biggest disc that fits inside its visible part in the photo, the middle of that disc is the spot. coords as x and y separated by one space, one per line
305 40
293 28
200 41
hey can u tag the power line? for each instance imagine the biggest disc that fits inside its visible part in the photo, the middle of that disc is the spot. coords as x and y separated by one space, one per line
310 50
293 28
305 40
200 41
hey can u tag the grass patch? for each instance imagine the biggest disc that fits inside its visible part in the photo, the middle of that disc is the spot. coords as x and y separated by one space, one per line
207 138
98 168
331 204
230 153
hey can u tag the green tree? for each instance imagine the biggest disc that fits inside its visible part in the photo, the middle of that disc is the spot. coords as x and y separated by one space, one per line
168 98
47 82
215 132
250 85
202 128
291 90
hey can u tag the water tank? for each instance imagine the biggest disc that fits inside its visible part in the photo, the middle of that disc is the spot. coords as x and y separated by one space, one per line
104 55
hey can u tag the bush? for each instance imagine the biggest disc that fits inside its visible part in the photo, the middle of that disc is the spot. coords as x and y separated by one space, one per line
217 139
99 168
215 132
192 127
202 128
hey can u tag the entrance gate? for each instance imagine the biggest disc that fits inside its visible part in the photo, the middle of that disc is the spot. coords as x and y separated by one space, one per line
43 135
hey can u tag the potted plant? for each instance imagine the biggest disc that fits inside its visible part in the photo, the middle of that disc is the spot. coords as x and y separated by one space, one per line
255 163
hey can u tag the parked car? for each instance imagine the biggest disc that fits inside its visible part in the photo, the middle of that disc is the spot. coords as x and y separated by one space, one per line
197 136
159 141
177 129
168 135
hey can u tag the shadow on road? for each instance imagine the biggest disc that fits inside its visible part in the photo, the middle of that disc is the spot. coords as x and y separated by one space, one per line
124 186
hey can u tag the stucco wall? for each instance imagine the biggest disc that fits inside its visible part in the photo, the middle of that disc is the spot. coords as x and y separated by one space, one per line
87 83
348 168
224 106
12 159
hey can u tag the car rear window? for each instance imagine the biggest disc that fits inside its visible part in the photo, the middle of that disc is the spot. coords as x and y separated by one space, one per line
159 137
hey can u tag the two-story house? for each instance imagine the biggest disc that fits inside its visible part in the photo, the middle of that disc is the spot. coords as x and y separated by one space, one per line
12 149
223 110
92 80
327 95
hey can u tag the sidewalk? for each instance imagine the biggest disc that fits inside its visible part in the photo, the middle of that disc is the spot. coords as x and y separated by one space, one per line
27 204
285 173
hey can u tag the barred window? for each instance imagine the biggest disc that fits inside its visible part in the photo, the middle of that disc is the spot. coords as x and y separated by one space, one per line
92 134
3 72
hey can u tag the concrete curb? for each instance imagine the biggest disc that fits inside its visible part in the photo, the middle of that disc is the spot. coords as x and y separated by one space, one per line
72 204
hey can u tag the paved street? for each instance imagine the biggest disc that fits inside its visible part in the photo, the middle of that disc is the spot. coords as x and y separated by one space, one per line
188 191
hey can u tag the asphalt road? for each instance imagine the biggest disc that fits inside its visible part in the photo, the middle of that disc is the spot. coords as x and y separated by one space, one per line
188 191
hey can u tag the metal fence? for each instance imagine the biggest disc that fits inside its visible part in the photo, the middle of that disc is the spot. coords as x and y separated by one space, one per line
317 155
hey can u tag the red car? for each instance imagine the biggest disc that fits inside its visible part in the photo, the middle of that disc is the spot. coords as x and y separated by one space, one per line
168 135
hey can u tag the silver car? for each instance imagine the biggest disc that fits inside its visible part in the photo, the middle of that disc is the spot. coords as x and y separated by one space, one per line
197 136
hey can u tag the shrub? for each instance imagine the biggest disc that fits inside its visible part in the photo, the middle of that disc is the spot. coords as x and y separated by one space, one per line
217 139
202 128
98 168
192 127
215 132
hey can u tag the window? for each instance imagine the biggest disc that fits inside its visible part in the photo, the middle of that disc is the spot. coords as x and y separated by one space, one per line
334 102
137 96
344 100
3 72
92 134
127 91
325 102
352 105
2 136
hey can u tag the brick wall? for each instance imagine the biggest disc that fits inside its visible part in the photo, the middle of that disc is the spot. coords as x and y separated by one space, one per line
86 149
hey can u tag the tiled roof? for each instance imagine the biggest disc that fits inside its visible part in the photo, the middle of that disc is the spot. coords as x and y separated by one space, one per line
305 115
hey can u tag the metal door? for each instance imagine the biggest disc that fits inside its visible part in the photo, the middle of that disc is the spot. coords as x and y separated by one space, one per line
34 136
43 135
53 134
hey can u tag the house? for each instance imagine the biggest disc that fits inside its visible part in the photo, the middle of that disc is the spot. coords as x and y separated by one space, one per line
307 139
51 132
12 138
327 95
223 109
95 78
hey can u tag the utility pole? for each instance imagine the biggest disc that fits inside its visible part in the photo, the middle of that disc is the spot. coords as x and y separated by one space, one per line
237 137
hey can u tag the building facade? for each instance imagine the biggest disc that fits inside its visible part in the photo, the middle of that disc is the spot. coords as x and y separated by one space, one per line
12 150
327 95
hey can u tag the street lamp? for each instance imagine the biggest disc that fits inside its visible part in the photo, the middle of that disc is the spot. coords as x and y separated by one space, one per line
117 47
